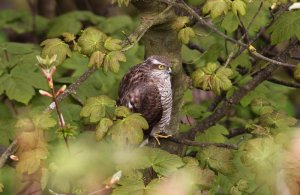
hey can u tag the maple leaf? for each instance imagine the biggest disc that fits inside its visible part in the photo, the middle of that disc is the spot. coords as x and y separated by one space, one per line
97 108
91 40
129 129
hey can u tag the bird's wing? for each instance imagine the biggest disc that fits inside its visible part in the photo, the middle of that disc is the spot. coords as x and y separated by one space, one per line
145 99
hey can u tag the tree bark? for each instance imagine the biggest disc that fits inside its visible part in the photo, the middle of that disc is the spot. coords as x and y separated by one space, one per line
161 39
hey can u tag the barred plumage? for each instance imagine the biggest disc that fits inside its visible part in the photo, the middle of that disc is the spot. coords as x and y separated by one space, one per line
146 89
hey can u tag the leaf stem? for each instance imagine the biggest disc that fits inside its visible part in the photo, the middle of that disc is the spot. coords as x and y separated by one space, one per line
60 117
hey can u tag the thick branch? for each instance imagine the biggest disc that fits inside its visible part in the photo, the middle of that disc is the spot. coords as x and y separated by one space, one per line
202 144
224 109
9 151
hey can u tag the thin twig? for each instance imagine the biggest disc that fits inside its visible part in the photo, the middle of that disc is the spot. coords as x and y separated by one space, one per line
12 148
216 102
256 14
202 144
184 6
285 83
60 118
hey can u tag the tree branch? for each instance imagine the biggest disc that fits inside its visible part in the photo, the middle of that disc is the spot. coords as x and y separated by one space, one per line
9 151
224 109
285 83
127 43
202 144
189 10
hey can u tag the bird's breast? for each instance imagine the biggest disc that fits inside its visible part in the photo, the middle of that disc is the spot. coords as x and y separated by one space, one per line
165 90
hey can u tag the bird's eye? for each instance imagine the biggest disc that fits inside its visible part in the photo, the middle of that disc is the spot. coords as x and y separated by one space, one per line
161 67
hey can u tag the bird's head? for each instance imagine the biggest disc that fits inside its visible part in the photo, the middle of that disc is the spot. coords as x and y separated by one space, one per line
159 64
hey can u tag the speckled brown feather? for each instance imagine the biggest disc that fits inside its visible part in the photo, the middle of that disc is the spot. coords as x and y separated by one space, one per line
137 89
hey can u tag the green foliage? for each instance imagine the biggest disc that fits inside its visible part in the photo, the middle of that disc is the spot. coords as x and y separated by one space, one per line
112 44
112 61
18 73
214 134
180 22
57 47
215 7
218 159
91 40
185 34
71 22
129 129
102 128
238 7
97 108
213 77
261 155
103 138
21 21
286 27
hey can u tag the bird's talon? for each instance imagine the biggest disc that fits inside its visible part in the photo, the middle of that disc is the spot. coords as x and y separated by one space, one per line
157 136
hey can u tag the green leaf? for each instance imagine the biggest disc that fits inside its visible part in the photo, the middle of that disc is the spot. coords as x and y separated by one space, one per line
30 161
194 110
97 108
43 121
185 34
215 7
285 27
262 18
57 47
112 61
67 131
115 24
20 82
218 159
91 40
215 134
277 120
7 130
77 63
243 60
212 78
261 106
97 59
122 111
17 89
71 22
112 44
230 22
221 81
261 154
102 128
238 6
135 187
129 130
161 161
180 22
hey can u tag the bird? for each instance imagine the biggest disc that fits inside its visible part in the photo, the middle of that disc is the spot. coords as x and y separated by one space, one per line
146 89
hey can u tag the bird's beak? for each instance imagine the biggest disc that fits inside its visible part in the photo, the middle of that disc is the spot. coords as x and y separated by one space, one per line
169 70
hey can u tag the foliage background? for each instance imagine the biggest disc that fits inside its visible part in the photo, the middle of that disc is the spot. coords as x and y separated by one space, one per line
232 138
